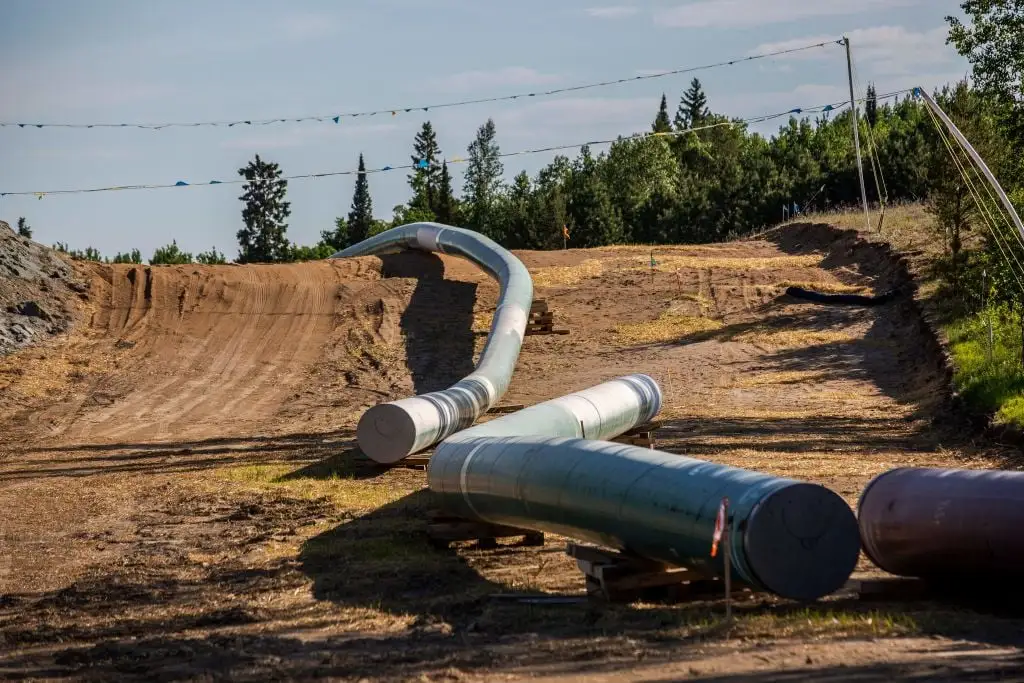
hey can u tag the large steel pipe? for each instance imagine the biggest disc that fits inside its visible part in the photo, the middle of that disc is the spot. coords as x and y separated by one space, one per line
602 412
795 539
944 523
389 432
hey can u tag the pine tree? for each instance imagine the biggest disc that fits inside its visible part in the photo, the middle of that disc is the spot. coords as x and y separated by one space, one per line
265 215
23 228
360 218
661 121
483 177
170 255
871 106
692 107
426 174
339 237
211 258
594 220
518 209
135 256
447 206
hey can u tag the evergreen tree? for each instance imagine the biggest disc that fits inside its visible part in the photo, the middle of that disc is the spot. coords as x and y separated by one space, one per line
135 256
593 219
483 178
170 255
426 173
211 258
518 205
339 237
318 251
693 107
447 205
360 218
662 124
871 106
23 228
265 215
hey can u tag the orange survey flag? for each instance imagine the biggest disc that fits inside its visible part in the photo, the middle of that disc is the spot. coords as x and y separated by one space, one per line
565 232
720 522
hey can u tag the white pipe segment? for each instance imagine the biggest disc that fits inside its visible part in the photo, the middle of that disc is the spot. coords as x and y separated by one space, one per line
389 432
601 412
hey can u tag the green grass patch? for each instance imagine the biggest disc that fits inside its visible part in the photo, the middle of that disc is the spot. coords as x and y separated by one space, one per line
989 381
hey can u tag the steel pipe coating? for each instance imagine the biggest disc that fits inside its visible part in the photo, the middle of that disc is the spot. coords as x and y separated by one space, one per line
795 539
944 523
389 432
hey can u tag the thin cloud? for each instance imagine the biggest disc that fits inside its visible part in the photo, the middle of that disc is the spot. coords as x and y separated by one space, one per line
306 27
577 114
614 12
510 76
748 13
883 50
301 137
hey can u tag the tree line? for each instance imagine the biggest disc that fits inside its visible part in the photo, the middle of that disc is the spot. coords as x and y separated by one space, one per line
702 177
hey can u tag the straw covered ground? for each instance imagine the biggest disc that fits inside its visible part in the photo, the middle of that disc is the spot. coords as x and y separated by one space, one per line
183 497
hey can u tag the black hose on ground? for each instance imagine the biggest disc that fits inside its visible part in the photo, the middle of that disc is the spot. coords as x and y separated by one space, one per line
842 299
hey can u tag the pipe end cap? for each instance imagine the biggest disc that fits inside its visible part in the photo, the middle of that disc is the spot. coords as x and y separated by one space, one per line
802 542
386 433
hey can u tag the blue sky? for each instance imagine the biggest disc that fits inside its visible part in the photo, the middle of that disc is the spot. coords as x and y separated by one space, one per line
128 61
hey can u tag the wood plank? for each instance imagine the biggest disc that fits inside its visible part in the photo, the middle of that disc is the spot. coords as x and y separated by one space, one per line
471 531
536 332
502 410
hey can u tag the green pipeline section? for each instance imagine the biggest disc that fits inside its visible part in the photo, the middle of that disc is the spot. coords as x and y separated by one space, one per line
544 469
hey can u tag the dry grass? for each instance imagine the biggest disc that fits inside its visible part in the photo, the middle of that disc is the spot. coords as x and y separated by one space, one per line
781 377
671 263
553 276
346 492
668 327
482 321
825 287
795 338
31 373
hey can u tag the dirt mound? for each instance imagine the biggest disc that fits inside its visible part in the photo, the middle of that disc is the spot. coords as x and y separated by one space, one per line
172 352
37 291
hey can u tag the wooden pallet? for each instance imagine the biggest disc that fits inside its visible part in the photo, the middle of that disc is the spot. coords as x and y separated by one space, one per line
444 529
616 577
642 436
542 320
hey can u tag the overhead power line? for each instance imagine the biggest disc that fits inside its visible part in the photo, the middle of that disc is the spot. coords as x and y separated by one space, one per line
821 108
394 111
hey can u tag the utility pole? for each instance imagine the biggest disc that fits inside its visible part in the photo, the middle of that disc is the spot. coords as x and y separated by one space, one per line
856 134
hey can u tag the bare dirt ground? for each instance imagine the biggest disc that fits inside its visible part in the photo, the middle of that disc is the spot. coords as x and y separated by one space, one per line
182 498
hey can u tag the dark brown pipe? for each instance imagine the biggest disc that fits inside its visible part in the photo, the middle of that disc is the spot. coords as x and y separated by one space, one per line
937 523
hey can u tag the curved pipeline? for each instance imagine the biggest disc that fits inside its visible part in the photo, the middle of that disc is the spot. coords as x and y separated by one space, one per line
795 539
389 432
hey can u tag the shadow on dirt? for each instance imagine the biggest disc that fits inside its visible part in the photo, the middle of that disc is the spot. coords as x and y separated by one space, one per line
396 608
320 450
438 323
